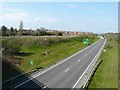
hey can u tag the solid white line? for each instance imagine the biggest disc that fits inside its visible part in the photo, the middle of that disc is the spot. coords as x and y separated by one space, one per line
55 65
97 55
66 70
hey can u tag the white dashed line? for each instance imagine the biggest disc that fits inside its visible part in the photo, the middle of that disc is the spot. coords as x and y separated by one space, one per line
79 60
51 67
85 54
90 51
96 57
66 70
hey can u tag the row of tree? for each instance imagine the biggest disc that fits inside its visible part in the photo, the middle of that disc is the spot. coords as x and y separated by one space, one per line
4 31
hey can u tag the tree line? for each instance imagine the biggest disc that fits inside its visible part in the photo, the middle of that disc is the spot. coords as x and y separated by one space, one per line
4 31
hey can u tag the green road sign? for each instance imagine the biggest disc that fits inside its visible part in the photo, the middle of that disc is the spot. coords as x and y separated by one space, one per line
31 62
86 41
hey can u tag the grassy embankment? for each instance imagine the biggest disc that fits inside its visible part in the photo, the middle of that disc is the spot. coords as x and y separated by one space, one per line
56 51
106 75
58 48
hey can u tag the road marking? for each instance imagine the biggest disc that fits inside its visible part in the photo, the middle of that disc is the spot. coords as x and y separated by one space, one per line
89 64
51 67
85 54
79 60
44 87
90 51
66 70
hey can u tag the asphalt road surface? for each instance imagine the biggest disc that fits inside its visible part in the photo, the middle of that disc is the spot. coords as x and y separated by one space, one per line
66 73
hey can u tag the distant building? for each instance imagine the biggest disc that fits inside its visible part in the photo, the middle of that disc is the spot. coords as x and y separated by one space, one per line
20 28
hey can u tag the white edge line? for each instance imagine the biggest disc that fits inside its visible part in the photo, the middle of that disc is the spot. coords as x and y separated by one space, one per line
55 65
89 65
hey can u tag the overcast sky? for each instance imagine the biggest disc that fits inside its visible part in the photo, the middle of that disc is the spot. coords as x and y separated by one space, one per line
94 17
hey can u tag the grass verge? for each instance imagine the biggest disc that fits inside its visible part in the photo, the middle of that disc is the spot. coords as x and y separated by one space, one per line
106 75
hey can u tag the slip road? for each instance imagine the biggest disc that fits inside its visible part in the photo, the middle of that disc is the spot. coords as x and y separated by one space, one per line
66 73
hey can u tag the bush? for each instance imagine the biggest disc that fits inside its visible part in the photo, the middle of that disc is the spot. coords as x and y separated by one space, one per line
59 33
11 46
108 46
110 39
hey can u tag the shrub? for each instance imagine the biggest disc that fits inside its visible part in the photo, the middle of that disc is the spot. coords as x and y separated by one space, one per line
11 46
110 39
108 46
59 33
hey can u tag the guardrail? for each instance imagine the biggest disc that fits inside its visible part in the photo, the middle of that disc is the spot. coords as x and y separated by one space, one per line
85 86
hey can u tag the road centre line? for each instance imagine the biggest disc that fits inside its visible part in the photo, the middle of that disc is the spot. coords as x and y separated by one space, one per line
85 54
90 51
66 69
79 60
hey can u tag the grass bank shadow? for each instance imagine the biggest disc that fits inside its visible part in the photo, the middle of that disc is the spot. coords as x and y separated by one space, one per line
9 70
24 54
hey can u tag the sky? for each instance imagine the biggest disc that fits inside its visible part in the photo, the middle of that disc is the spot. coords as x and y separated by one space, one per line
96 17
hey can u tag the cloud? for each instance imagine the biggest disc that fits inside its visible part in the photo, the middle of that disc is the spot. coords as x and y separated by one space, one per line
87 8
74 6
7 17
11 10
47 20
8 9
37 19
13 18
11 14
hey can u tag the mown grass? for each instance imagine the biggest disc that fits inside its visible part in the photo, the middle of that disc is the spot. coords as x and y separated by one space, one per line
57 52
32 48
107 74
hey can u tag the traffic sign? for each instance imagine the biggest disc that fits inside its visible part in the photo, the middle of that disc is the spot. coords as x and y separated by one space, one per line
31 62
86 41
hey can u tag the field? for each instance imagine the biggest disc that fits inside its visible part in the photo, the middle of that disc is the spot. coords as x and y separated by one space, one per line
43 52
106 75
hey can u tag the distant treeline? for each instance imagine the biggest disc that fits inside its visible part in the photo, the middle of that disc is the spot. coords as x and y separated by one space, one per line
4 31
